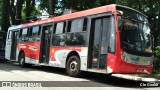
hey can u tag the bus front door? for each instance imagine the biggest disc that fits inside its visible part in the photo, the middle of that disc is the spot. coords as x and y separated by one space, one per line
98 46
45 43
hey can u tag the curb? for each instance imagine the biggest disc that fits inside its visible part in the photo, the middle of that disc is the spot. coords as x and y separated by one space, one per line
135 78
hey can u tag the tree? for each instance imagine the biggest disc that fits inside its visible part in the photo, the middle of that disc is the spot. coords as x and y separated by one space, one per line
19 11
86 4
0 10
16 11
12 12
30 5
5 15
43 5
51 7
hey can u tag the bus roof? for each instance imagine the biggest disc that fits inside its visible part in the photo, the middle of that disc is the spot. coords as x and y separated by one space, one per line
107 8
69 16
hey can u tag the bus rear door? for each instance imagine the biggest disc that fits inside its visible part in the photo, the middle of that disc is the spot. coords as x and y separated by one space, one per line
11 43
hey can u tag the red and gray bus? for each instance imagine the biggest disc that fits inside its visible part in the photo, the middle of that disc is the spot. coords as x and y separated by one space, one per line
107 39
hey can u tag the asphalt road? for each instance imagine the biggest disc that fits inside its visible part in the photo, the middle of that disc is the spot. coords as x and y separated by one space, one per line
56 79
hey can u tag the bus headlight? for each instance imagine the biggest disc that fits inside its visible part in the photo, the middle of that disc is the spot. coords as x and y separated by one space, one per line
148 62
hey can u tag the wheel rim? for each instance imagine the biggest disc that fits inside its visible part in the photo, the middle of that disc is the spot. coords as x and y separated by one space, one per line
73 67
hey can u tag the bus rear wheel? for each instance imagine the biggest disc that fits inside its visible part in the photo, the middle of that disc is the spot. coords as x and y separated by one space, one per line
73 66
21 60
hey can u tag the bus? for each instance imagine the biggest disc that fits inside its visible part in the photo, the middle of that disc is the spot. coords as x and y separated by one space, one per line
2 45
108 39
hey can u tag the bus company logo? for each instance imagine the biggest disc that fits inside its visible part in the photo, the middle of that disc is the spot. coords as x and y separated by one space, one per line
34 48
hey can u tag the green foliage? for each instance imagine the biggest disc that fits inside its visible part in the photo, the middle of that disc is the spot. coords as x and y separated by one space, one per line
156 63
43 5
157 51
85 4
0 11
35 12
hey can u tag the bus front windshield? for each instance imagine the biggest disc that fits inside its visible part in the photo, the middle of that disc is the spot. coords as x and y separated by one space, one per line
135 35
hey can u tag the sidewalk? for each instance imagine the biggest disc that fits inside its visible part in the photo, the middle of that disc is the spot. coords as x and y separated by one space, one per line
145 78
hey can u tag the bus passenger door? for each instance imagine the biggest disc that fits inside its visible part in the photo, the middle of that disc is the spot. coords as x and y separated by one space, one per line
11 45
98 42
8 45
45 43
15 35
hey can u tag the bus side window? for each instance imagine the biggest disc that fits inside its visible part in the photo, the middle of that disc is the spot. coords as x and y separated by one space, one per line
20 33
112 41
25 34
85 24
60 27
77 25
76 32
58 37
34 33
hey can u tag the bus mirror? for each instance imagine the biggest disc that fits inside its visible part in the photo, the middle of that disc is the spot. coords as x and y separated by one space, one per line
120 13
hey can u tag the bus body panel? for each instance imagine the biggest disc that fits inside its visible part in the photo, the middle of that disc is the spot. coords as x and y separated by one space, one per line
141 65
58 56
31 51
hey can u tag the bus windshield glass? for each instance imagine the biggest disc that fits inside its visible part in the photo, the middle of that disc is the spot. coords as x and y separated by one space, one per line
135 33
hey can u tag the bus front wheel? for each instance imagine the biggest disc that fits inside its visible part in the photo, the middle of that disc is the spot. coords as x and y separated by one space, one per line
73 66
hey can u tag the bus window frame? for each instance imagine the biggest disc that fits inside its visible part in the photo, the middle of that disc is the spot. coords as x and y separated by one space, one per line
101 15
22 37
31 36
68 29
31 30
85 18
10 34
54 27
41 29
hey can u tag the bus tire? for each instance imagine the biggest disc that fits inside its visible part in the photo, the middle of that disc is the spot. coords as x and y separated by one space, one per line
73 66
21 60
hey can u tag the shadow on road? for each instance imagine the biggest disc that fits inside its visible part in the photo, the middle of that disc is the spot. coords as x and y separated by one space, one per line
96 78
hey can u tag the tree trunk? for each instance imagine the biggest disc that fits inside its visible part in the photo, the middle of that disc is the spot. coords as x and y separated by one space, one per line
5 15
13 12
51 7
19 11
29 8
158 27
